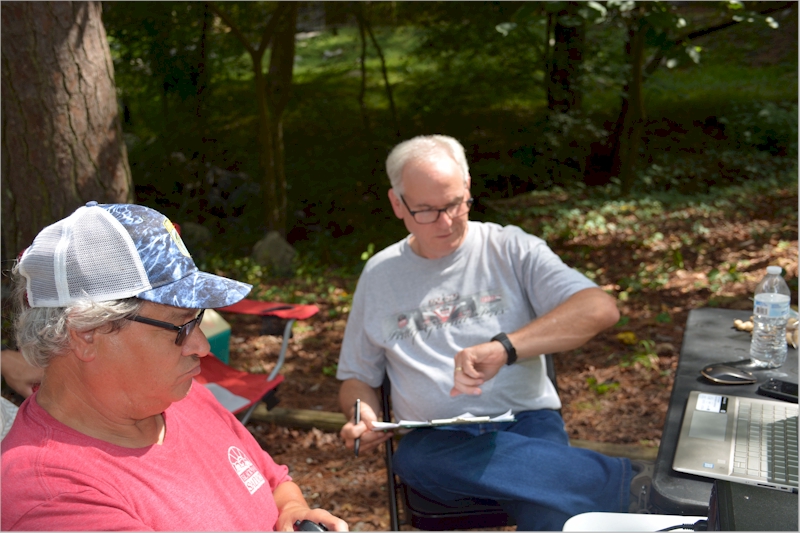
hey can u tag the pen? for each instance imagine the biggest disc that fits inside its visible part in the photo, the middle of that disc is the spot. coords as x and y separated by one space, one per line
358 421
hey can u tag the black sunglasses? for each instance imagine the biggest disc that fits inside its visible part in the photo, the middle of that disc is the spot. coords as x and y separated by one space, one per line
183 331
429 216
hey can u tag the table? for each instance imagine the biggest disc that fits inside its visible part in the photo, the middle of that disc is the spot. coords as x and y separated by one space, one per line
709 337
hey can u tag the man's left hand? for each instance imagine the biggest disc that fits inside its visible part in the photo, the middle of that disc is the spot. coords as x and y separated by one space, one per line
476 365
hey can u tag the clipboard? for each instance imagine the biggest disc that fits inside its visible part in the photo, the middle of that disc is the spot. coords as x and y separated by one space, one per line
466 418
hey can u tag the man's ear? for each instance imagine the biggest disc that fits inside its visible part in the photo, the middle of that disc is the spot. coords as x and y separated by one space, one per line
397 205
469 181
83 345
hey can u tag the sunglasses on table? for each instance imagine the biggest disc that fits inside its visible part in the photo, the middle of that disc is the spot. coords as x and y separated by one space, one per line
183 331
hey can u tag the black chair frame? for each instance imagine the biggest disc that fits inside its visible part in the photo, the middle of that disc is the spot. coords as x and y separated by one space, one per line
429 515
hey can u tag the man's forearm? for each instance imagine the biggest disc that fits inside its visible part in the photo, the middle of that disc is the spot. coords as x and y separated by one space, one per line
568 326
353 389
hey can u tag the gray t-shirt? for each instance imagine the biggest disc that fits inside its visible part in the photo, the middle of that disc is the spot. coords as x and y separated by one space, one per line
411 315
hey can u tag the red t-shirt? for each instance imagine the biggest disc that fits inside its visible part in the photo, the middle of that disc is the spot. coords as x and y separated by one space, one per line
209 474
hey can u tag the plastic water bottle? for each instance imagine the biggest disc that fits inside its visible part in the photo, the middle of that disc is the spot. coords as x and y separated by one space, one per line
770 311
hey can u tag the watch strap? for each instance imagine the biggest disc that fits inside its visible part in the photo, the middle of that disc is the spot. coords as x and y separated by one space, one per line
511 352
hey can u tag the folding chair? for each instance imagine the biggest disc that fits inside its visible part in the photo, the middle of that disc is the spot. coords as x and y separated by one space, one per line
241 391
431 515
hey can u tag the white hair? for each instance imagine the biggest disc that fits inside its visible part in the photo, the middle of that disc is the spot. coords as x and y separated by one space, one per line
43 332
428 148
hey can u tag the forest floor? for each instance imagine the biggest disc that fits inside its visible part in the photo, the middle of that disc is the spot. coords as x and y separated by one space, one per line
615 389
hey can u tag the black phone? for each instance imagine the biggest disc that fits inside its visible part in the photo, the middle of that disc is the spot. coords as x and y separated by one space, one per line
782 390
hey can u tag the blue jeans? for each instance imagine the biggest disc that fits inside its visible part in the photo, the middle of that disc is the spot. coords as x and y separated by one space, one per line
527 466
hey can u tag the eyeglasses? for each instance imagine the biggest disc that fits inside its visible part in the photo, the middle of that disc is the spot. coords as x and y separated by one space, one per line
183 331
429 216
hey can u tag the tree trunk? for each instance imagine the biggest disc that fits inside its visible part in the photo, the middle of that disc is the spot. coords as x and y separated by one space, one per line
279 83
565 91
272 95
365 26
265 153
363 90
203 81
548 59
62 143
633 118
385 74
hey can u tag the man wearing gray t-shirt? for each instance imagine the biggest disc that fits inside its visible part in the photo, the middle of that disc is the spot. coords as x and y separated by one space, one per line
458 314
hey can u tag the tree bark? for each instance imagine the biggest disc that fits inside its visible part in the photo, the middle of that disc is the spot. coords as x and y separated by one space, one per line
363 90
203 81
62 143
633 121
279 83
548 59
565 91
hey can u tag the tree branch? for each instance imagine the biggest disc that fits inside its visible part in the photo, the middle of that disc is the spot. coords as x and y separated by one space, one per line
269 30
234 28
655 61
388 86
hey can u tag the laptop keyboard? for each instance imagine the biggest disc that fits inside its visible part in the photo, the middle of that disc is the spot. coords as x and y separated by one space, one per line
766 442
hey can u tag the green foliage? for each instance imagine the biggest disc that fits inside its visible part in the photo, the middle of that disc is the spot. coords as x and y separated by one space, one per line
330 370
727 273
644 354
663 318
370 251
601 388
193 153
311 283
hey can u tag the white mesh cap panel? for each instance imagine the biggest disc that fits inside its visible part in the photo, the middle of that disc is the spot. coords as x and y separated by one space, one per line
38 268
114 251
101 261
87 255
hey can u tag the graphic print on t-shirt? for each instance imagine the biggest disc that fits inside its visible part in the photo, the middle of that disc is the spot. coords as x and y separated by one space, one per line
245 469
444 311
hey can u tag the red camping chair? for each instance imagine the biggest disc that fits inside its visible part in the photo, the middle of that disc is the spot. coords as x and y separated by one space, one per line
242 391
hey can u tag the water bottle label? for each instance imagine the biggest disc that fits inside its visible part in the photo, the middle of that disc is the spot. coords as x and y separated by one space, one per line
771 305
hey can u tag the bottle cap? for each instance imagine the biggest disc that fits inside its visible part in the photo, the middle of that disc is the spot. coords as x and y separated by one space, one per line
774 270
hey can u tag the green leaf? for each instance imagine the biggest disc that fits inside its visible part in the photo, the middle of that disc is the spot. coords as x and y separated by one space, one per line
505 27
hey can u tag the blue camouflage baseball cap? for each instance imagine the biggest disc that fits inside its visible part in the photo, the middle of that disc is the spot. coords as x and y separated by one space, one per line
107 252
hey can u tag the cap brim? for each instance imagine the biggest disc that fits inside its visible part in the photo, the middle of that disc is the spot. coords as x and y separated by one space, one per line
198 290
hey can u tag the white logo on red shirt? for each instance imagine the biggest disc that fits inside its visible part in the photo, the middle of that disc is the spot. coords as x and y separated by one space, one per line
245 469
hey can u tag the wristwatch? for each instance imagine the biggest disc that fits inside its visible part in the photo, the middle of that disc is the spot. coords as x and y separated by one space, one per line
502 338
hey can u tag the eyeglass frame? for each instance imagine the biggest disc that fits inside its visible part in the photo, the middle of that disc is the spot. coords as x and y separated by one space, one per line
183 331
469 201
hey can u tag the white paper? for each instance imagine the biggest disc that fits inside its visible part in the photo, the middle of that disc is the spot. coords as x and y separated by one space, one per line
466 418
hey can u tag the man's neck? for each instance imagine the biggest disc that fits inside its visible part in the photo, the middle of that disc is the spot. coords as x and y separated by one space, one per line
86 415
413 243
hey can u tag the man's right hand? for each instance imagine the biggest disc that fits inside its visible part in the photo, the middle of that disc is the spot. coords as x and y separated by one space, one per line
363 430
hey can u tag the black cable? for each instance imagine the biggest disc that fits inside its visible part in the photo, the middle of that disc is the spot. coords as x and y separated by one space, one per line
700 525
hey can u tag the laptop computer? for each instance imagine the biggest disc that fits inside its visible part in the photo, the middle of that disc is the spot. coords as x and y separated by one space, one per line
745 440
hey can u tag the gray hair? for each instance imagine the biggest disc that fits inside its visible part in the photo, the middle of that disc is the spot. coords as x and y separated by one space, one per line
42 333
424 148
